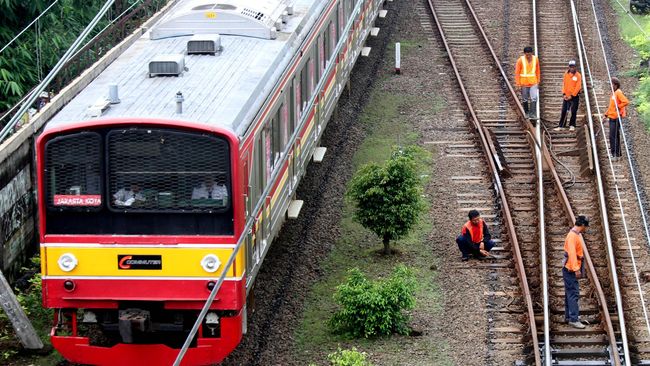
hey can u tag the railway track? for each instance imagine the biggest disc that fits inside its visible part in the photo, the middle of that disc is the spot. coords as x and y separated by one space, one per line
499 126
557 45
620 190
498 117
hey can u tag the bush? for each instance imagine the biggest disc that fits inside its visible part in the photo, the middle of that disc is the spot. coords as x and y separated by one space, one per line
374 308
347 357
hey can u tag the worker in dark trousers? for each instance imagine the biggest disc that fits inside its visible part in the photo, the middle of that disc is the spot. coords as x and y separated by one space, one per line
475 238
572 270
527 77
615 113
571 87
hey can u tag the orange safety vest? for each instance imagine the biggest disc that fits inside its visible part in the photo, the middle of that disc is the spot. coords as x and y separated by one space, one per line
527 74
617 99
476 232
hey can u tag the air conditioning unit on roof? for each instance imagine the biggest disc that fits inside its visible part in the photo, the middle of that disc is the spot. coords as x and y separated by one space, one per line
167 65
204 44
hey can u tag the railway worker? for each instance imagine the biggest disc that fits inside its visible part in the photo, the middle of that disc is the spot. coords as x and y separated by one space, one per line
572 270
210 189
128 195
615 113
527 77
475 238
571 87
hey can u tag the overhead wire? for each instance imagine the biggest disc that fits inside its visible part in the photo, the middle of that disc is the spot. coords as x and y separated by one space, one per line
81 48
611 164
28 26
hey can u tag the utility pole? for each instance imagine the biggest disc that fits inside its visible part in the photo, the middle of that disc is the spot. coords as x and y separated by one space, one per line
22 326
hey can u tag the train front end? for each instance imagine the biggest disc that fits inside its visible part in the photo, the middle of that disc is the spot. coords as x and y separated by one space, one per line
137 219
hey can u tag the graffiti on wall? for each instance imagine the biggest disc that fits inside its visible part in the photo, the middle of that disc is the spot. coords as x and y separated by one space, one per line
16 216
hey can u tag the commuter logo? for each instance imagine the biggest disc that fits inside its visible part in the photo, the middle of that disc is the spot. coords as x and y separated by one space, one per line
139 261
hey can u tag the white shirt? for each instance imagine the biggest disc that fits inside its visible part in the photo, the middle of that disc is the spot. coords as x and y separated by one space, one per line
126 197
216 192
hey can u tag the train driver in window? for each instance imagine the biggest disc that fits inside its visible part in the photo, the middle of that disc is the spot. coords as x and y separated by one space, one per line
210 189
128 195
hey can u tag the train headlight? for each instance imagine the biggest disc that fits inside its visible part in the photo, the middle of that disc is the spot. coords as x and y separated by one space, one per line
210 263
67 262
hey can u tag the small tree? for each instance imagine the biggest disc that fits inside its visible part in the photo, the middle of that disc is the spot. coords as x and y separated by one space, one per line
387 198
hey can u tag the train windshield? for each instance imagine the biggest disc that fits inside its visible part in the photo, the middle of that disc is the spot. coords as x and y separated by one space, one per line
138 181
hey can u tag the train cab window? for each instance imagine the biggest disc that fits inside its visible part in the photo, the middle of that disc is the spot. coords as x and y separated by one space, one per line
73 172
162 170
138 181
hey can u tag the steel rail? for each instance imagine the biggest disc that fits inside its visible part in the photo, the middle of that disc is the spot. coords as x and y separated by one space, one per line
542 218
561 195
499 188
601 190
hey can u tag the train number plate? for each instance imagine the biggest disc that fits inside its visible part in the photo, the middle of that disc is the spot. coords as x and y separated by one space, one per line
126 261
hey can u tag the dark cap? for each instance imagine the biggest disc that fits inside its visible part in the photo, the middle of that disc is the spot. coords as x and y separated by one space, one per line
582 221
473 213
528 49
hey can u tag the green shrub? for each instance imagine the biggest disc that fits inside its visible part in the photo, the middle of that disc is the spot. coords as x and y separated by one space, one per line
374 308
348 357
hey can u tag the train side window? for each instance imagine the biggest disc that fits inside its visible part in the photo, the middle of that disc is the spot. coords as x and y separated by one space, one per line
260 173
332 39
276 143
297 102
268 153
321 54
284 124
305 86
341 17
312 81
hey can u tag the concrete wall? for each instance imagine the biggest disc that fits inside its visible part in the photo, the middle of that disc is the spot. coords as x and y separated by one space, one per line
17 210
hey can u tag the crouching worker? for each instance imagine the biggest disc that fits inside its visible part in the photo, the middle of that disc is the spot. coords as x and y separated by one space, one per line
475 238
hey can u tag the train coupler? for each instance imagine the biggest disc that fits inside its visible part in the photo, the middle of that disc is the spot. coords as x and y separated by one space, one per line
131 319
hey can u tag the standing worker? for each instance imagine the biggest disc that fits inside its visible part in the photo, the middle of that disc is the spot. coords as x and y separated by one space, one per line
572 270
475 238
571 87
615 113
527 77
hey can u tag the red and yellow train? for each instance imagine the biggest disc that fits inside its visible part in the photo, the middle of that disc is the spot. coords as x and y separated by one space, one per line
149 175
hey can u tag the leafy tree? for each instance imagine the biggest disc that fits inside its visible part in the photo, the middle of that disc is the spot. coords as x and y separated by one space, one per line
374 308
35 52
387 198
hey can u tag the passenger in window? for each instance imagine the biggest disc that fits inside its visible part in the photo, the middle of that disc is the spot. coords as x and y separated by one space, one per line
128 195
210 189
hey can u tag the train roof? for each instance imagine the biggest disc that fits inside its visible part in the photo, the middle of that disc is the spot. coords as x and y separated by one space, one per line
224 90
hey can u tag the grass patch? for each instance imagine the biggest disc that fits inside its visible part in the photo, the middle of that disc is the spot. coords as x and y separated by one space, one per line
387 125
631 33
